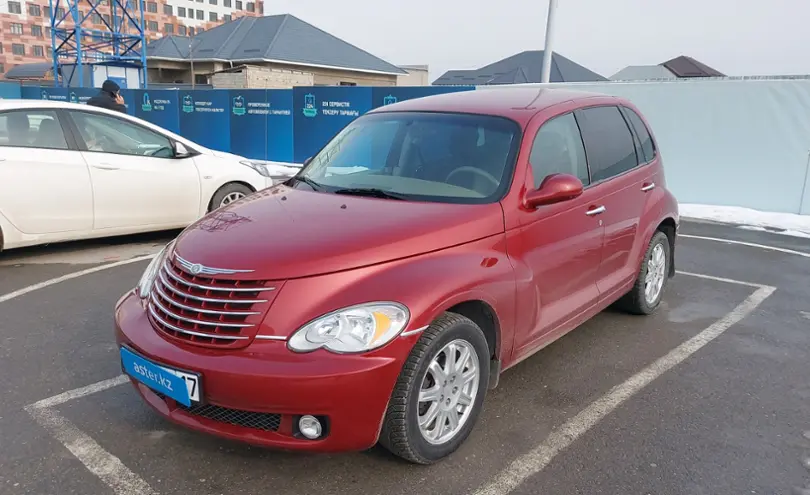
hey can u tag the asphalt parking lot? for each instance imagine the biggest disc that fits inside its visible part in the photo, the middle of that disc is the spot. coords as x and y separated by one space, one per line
708 396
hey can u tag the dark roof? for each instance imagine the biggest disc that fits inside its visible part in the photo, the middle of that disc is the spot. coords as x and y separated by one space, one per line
276 38
684 66
169 47
518 103
29 71
525 67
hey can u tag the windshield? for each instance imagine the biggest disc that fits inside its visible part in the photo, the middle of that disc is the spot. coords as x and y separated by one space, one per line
443 157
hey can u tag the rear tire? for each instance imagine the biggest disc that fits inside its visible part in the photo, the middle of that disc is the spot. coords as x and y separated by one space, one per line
449 405
227 194
647 292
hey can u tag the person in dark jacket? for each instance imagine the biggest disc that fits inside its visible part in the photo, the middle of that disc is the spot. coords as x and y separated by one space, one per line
109 97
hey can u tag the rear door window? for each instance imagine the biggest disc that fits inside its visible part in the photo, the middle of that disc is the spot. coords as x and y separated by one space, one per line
558 149
32 129
608 142
647 145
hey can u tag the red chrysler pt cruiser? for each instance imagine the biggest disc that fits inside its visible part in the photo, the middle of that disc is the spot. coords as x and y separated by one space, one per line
377 295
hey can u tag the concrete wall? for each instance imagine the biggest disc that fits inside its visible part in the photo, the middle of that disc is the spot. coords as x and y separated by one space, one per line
171 71
417 76
164 71
728 142
329 77
261 78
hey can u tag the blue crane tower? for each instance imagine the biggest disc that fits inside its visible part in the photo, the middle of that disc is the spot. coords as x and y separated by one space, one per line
79 48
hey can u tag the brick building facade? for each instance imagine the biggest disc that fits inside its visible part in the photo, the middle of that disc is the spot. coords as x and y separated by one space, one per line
25 32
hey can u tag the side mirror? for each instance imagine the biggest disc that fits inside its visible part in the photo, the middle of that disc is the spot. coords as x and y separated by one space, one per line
555 188
180 150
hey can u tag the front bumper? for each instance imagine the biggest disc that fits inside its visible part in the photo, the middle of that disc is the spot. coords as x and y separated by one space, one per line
351 392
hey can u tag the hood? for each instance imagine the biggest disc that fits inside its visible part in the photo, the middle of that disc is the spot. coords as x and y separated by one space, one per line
283 233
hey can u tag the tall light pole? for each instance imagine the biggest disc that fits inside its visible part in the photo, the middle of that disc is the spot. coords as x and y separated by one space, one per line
191 60
548 51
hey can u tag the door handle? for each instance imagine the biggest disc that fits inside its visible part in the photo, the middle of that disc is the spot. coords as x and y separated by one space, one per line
648 187
105 166
596 211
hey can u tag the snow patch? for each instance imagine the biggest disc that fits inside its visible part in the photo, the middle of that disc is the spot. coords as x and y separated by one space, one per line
747 218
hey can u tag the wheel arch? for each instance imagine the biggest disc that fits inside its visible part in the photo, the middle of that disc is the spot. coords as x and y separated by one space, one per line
483 315
670 229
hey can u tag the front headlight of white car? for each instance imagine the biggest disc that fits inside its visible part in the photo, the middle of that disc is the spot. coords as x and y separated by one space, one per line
257 166
275 171
151 272
354 329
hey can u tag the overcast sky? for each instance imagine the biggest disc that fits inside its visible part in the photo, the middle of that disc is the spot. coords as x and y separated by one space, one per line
736 37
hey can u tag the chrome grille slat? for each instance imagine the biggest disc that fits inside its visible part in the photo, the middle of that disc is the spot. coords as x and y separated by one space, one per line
213 288
206 310
169 286
199 322
202 310
191 332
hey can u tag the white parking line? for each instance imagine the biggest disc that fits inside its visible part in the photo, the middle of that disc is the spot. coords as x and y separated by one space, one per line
98 461
123 481
749 244
538 458
70 276
80 392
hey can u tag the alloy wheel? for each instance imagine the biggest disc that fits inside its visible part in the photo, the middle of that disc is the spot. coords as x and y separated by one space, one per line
656 274
231 197
448 392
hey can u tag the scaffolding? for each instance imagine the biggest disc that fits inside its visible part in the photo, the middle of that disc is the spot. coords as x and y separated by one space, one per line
76 42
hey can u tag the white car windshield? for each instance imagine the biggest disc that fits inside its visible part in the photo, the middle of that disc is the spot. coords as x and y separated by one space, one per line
444 157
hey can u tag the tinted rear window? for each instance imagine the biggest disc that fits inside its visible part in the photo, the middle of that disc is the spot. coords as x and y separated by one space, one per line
647 145
608 142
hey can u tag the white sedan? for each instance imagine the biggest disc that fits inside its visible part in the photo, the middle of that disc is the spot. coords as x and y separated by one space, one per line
71 171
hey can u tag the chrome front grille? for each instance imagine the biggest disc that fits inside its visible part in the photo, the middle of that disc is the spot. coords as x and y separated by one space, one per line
204 309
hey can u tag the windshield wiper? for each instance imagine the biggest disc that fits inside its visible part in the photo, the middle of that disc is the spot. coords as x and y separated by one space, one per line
370 192
311 183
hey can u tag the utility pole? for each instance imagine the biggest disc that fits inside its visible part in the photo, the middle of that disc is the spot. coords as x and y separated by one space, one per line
548 51
191 59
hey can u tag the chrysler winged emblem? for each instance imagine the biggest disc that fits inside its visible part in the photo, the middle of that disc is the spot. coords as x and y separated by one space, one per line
197 268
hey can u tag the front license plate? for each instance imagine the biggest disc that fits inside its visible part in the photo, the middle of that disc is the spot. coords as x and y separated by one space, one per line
179 385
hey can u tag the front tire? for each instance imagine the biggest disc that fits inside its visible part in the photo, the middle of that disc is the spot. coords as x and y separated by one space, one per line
647 292
440 391
227 194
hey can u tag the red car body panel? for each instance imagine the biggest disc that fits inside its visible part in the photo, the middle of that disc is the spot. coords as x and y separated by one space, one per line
313 233
539 273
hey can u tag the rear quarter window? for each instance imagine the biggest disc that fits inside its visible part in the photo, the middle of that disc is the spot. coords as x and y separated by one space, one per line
608 142
644 137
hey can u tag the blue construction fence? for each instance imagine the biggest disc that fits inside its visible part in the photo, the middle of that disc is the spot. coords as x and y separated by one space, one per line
285 125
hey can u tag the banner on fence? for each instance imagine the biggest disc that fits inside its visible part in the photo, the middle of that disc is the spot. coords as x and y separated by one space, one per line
10 91
261 124
320 112
72 95
159 107
205 118
382 96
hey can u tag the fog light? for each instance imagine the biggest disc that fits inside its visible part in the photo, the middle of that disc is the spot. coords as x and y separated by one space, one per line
310 427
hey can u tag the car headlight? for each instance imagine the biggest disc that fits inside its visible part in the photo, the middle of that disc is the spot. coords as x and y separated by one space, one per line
149 275
354 329
257 166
